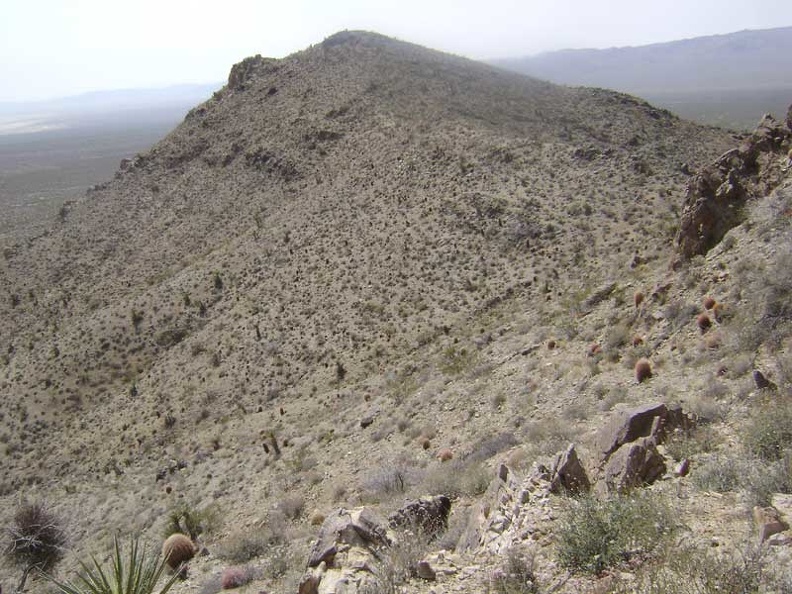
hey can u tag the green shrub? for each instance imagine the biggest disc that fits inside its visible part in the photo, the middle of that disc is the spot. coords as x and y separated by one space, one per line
137 573
241 547
685 445
458 478
718 473
769 431
593 534
185 519
700 570
766 478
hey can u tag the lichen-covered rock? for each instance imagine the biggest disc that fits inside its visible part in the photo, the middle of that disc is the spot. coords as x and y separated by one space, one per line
427 515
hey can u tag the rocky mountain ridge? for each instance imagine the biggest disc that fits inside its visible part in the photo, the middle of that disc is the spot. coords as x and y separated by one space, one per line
364 271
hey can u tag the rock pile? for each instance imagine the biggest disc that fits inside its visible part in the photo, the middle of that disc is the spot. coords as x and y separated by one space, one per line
352 551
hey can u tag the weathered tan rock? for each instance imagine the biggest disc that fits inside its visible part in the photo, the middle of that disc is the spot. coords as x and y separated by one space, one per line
346 555
568 474
653 420
768 522
343 529
633 465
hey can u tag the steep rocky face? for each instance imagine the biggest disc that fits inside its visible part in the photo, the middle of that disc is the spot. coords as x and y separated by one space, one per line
715 197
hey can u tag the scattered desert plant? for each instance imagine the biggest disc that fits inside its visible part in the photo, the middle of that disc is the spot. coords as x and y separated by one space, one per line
135 573
457 478
291 506
703 322
595 534
763 479
681 445
643 370
516 576
186 519
393 478
236 576
718 473
241 547
703 570
36 540
769 430
177 549
679 313
400 560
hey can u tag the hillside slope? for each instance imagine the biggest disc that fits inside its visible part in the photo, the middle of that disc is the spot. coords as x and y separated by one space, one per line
344 262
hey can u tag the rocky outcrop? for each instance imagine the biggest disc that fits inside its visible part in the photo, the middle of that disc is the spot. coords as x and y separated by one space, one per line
346 555
351 552
512 510
427 516
244 71
633 465
714 197
652 420
568 474
627 446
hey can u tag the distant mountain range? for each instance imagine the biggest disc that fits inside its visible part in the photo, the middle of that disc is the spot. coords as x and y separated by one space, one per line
723 79
113 100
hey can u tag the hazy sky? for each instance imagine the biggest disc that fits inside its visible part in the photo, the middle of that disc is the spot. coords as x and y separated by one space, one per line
60 47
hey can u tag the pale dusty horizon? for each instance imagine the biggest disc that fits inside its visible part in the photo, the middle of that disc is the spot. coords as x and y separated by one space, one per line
53 48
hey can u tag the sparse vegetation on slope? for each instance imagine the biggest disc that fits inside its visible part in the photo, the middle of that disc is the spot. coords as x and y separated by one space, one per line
370 271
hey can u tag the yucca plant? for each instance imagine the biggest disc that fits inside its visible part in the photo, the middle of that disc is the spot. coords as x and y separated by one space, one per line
134 573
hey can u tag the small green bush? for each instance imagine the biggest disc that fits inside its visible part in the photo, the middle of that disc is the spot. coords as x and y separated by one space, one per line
595 534
718 473
241 547
769 431
186 519
699 570
766 478
458 478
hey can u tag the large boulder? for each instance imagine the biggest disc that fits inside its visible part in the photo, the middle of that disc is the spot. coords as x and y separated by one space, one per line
428 516
344 529
656 421
633 465
627 446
